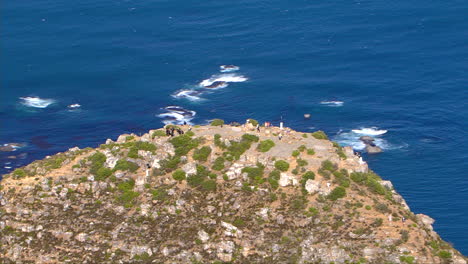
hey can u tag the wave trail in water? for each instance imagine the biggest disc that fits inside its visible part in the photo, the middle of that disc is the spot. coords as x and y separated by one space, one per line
37 102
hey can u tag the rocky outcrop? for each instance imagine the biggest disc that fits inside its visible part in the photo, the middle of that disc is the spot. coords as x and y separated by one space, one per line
371 147
195 199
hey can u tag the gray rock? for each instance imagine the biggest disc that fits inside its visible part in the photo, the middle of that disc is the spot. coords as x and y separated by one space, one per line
373 149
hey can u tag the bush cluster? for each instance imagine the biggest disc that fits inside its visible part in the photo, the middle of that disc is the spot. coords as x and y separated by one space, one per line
371 180
319 135
337 193
250 137
255 174
265 145
125 165
202 153
179 175
19 173
201 179
127 195
296 153
252 121
218 164
237 148
339 150
217 122
273 179
310 151
97 161
158 133
282 165
183 144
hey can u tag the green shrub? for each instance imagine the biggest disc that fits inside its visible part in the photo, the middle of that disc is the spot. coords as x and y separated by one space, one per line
329 166
341 177
125 165
368 207
407 259
218 164
299 203
255 174
158 133
237 149
308 176
183 144
128 138
281 165
339 150
301 162
217 122
250 137
19 173
310 152
295 171
239 223
376 187
295 153
273 183
319 135
160 194
97 161
383 208
190 133
103 173
252 121
218 142
276 175
337 193
127 195
208 185
202 153
301 148
265 145
170 163
133 153
179 175
445 254
359 177
304 135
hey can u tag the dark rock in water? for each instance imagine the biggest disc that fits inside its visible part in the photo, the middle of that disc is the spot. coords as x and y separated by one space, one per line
40 141
217 84
372 149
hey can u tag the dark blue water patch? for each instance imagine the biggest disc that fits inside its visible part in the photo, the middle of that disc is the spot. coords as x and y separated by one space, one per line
396 66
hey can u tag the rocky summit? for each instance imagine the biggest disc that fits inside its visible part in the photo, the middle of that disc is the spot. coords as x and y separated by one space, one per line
211 194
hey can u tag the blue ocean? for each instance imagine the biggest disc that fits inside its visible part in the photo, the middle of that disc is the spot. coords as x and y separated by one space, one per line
74 73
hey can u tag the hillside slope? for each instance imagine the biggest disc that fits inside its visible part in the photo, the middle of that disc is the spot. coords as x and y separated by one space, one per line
212 195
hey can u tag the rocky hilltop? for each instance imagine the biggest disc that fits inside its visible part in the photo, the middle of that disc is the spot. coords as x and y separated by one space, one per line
215 194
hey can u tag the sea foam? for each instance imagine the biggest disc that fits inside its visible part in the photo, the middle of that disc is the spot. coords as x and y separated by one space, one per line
332 103
37 102
372 131
177 115
223 78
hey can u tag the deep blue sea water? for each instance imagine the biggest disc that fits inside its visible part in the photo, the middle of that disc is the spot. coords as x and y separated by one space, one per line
396 66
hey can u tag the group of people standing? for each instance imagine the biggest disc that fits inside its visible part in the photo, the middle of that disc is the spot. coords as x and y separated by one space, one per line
170 131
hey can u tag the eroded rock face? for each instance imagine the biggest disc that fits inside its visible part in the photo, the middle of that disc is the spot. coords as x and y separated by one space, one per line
140 213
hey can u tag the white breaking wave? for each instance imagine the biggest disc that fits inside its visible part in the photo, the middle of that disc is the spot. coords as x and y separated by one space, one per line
228 68
33 101
351 138
332 103
177 115
192 95
74 106
223 78
372 131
